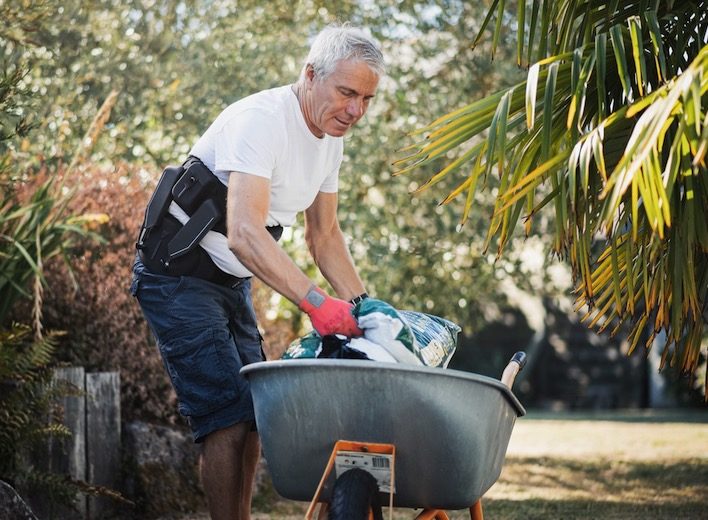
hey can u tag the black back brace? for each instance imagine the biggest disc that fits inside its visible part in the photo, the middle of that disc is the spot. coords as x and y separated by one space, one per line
165 245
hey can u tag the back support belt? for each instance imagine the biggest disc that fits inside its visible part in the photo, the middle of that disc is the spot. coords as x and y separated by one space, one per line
165 245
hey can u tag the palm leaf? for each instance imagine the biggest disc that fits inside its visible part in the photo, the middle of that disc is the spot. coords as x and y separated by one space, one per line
617 144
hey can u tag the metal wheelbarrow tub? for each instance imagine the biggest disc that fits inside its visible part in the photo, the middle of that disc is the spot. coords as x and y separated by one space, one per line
451 429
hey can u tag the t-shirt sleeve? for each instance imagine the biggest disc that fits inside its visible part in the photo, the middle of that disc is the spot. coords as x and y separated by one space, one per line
248 142
331 182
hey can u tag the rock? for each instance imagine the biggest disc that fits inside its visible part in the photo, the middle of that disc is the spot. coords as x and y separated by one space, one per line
12 507
161 468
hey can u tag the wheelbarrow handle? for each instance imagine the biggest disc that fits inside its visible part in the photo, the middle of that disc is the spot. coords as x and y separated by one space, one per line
516 363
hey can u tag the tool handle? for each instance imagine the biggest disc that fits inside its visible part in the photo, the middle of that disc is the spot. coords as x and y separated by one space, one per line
516 364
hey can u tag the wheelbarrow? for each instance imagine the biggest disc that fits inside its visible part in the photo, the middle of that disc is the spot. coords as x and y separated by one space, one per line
439 435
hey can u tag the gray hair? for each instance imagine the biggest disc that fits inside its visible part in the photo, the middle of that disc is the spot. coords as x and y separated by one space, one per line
344 42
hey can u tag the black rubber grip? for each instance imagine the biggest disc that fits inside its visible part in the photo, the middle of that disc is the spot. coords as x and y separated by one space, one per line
520 358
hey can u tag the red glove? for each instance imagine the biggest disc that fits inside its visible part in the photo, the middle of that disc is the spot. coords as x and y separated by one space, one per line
329 315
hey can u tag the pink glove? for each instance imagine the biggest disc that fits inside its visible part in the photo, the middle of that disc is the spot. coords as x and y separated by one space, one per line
329 315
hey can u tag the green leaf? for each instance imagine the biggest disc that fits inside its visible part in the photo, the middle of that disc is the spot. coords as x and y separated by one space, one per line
578 100
520 30
600 69
531 87
532 30
546 12
548 110
486 21
635 31
498 28
621 60
657 43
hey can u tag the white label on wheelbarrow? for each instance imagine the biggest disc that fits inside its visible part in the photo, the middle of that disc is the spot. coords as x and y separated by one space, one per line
378 464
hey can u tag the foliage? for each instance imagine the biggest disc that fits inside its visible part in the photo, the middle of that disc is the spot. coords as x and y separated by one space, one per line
610 129
34 223
31 418
12 122
157 60
166 71
35 227
18 22
174 66
28 411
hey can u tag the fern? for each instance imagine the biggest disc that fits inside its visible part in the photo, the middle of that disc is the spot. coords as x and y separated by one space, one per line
29 415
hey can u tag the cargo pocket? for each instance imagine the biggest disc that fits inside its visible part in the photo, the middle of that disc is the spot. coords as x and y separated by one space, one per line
203 366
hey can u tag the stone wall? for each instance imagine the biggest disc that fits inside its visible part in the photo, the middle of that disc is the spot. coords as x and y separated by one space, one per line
161 468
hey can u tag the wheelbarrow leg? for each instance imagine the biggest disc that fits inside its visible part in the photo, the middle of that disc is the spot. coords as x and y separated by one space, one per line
476 511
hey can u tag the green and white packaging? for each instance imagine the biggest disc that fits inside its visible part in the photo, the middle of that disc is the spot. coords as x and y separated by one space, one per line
409 337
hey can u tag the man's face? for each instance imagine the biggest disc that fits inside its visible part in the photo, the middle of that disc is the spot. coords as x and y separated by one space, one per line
333 105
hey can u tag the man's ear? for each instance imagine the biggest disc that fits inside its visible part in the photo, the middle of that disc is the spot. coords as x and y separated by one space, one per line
309 73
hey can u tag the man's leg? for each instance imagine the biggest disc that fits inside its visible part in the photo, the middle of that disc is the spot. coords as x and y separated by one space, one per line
224 472
251 457
220 336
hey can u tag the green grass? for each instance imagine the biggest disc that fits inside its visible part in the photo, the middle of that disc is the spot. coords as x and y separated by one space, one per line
626 465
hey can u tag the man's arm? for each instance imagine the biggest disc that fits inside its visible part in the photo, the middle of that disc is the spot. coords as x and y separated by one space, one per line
247 211
328 247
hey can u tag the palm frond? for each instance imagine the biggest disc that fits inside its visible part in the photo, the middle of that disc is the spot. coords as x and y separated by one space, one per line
610 128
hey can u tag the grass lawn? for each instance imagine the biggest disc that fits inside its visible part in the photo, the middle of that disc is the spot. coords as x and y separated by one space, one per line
632 465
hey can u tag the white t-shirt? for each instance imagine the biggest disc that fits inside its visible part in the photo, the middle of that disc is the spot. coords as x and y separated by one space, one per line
265 134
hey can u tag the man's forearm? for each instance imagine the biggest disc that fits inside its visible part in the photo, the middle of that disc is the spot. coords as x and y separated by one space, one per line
261 255
334 261
247 209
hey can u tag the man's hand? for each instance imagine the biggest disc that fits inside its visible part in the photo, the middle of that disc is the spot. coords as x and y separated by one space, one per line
329 315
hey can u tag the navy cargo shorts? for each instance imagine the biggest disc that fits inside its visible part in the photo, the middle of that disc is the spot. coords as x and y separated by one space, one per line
206 333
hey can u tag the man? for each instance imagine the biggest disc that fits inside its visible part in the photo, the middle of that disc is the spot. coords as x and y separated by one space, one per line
279 153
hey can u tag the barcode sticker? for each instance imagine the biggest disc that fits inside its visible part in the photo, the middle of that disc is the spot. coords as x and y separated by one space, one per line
377 464
380 462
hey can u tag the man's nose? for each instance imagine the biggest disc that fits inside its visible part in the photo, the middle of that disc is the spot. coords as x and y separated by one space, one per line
355 107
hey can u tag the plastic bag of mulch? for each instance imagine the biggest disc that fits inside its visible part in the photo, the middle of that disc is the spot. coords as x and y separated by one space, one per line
435 337
336 347
390 335
307 346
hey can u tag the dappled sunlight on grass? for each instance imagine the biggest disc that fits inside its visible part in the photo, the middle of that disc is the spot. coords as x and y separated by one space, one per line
638 466
632 436
662 482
